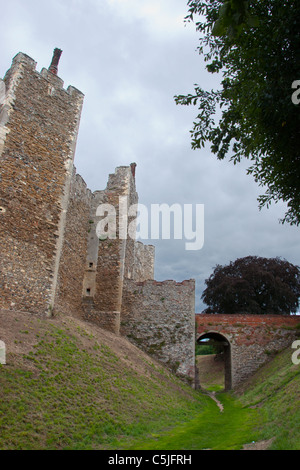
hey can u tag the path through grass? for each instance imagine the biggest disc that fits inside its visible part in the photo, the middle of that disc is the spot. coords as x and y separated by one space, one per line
210 429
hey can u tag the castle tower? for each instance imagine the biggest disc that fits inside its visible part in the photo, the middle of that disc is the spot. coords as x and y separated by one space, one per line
39 123
110 260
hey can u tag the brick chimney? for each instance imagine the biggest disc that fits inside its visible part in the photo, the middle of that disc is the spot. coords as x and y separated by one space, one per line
55 60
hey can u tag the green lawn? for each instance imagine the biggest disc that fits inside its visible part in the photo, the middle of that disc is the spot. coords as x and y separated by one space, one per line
275 392
209 429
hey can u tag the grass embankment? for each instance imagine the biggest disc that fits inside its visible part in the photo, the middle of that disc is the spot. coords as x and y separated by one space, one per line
264 413
275 392
69 385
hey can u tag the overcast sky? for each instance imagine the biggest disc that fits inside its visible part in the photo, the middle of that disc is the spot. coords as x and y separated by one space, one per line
129 58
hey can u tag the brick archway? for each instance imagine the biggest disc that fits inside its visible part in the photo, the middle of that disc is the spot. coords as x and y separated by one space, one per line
253 339
226 346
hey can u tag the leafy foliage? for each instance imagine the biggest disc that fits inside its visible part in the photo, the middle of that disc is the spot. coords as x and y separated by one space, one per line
253 285
255 46
204 349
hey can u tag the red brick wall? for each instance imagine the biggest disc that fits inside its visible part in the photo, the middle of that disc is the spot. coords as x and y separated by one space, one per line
253 339
249 329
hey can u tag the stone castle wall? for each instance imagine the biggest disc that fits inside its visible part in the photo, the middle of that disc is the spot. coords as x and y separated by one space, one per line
73 257
144 256
39 125
53 260
159 318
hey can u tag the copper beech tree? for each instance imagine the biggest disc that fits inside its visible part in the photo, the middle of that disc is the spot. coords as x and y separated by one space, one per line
253 285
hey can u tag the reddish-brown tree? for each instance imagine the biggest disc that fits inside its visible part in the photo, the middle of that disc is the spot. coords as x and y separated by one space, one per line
253 285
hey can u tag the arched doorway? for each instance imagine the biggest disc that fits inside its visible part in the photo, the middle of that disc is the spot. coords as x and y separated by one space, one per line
220 361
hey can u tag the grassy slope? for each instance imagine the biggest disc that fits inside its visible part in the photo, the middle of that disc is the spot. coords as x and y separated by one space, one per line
265 409
69 385
275 392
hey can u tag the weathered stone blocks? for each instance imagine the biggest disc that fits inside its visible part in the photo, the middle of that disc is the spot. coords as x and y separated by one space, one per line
159 317
52 258
37 148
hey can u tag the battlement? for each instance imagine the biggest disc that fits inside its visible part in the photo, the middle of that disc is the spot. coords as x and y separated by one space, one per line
23 62
167 282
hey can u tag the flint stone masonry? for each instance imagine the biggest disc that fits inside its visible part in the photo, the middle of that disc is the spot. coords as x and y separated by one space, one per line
73 256
159 318
37 143
109 259
53 260
144 255
253 339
